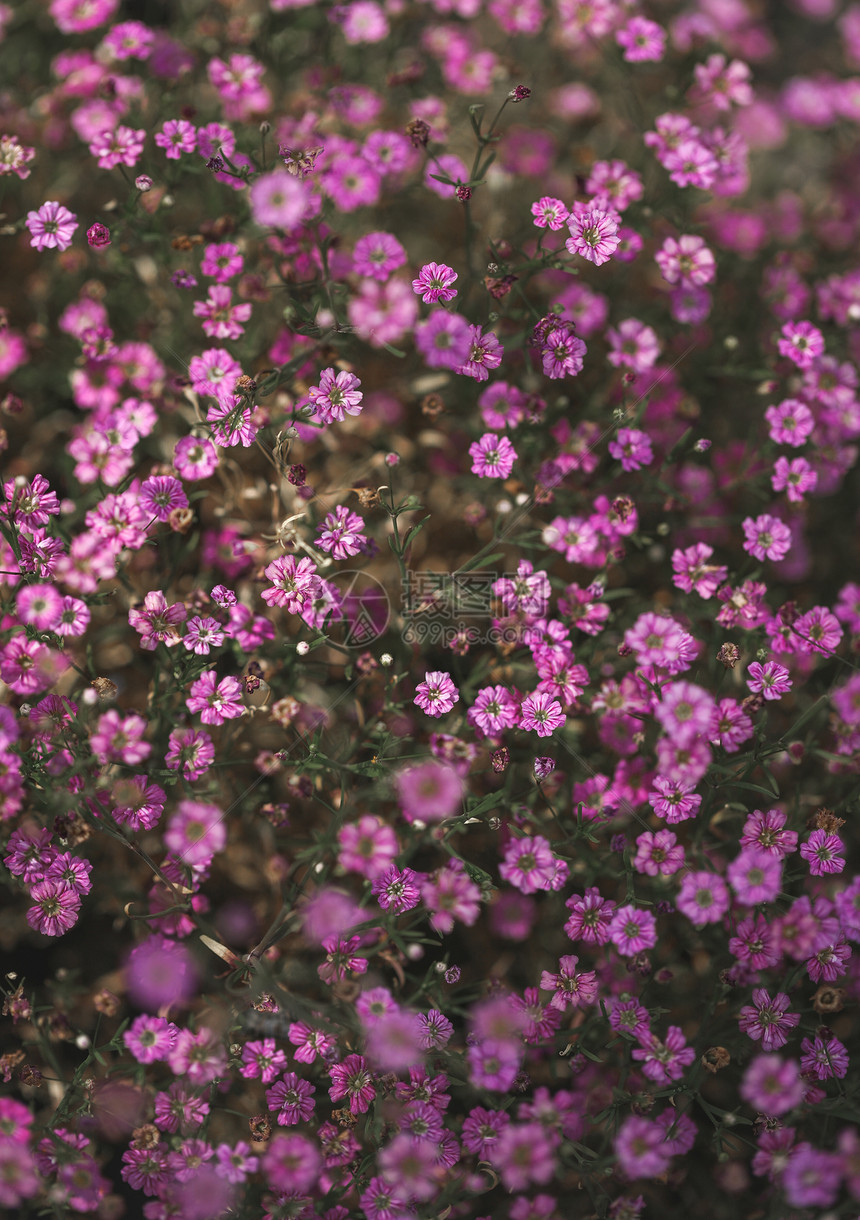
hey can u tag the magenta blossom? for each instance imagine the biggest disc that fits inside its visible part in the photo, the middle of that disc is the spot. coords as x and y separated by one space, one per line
51 227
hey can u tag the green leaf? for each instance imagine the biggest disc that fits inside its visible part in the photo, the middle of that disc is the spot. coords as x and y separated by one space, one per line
415 530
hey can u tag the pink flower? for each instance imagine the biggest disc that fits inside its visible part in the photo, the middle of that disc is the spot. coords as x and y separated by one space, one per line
530 865
351 1079
593 234
571 989
291 1100
641 40
55 909
802 343
703 898
755 876
771 680
658 853
434 283
196 832
772 1084
367 847
378 255
791 422
686 261
549 213
279 200
221 318
766 537
633 345
51 227
437 694
685 712
336 395
541 714
121 146
640 1148
221 261
823 853
795 478
340 533
292 1163
632 930
177 136
215 701
429 792
768 1020
664 1061
485 353
632 448
492 456
295 584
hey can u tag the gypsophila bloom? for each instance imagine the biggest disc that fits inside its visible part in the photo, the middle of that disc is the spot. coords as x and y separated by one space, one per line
664 1061
434 283
542 714
570 988
396 890
593 235
801 342
492 456
771 680
823 852
549 213
767 1019
51 227
336 396
703 897
632 448
772 1084
767 537
632 930
437 694
98 236
686 261
642 41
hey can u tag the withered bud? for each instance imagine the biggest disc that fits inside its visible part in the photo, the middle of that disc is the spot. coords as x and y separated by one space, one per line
501 286
642 1105
276 814
344 1118
104 688
729 655
11 405
16 1005
71 829
368 497
406 76
623 507
828 999
715 1058
500 759
297 474
4 440
519 93
215 164
418 132
106 1002
366 664
266 1003
58 1027
181 520
260 1128
753 704
146 1137
182 242
30 1075
826 819
464 193
9 1062
624 650
432 406
765 1122
245 385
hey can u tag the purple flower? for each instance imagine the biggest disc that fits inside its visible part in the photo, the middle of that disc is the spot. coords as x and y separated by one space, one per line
768 1020
772 1085
51 227
593 234
771 679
